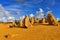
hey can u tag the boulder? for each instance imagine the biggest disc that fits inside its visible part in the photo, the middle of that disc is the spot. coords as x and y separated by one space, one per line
37 20
51 19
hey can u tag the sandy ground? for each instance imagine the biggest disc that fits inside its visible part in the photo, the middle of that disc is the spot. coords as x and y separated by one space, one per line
37 32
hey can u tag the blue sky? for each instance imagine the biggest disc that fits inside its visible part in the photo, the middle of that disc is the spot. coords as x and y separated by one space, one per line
21 7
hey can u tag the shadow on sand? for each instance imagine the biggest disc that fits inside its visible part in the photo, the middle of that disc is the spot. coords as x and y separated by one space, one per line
17 27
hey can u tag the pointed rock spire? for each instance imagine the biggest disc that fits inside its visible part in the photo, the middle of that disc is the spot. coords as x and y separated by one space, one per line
20 23
27 22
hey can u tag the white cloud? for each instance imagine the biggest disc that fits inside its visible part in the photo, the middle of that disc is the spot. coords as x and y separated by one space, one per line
49 12
40 14
4 19
13 8
11 18
41 10
31 15
3 13
22 17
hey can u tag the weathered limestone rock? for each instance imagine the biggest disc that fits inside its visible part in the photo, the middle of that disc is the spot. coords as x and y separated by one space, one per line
32 20
36 20
51 19
13 25
20 23
43 21
27 22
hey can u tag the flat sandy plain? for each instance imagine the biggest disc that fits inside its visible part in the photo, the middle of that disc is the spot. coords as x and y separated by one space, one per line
37 32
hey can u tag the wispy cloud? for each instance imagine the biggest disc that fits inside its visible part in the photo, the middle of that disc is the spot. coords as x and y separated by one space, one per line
4 15
22 17
41 10
31 15
40 14
13 8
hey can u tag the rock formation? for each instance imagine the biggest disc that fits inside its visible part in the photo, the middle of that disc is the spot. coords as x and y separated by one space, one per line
27 22
32 20
13 25
20 23
43 21
36 20
51 19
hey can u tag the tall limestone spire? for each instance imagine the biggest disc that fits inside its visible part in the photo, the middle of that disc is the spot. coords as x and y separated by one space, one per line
20 23
27 22
32 20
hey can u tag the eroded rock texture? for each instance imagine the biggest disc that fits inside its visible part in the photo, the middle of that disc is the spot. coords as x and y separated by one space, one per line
27 22
51 19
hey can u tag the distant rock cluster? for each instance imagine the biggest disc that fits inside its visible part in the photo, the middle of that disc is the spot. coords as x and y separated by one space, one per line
28 22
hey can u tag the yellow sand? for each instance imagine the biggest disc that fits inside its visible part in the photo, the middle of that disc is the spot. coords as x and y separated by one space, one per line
37 32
